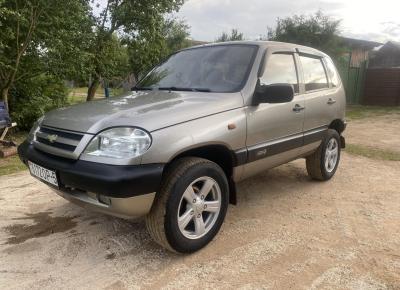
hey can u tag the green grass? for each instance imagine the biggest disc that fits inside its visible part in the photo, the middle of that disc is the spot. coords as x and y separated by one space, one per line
355 112
373 153
78 95
11 165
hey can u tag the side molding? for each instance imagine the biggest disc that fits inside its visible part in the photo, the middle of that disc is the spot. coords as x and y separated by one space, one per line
281 145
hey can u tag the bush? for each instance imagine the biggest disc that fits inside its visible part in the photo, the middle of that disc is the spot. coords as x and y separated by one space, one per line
30 99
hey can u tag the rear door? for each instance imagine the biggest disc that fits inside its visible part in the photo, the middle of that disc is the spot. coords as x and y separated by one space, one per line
319 97
276 128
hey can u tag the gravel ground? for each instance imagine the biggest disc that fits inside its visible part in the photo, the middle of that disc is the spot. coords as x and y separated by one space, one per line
379 132
286 232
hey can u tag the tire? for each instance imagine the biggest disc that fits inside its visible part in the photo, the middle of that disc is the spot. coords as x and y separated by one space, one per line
185 179
318 167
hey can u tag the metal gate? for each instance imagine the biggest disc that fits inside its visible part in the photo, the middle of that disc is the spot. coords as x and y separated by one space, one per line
382 87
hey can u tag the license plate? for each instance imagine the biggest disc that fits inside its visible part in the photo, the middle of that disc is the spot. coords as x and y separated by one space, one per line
43 173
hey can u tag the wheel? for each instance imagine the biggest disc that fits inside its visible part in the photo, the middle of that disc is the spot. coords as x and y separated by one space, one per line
322 164
190 207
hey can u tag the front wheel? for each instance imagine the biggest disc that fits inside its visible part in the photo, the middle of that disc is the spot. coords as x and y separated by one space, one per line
323 163
190 207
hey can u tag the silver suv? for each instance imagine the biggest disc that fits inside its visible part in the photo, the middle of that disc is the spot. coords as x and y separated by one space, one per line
174 148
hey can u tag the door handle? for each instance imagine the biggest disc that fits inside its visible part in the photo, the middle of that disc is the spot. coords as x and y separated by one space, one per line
331 101
297 108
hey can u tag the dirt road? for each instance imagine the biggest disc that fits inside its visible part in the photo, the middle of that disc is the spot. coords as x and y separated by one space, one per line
287 232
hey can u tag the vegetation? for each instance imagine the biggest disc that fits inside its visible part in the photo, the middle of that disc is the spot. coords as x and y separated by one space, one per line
40 38
374 153
11 165
78 95
44 43
123 22
147 50
317 30
235 35
355 112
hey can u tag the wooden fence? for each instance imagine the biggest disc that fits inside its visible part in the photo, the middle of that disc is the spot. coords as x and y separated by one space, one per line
382 87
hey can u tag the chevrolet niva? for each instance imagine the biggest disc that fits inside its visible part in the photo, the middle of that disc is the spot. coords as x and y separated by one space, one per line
207 117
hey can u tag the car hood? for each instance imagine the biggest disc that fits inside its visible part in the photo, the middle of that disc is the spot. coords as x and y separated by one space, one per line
150 110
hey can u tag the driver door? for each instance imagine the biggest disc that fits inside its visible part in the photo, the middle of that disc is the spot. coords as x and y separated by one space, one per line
275 131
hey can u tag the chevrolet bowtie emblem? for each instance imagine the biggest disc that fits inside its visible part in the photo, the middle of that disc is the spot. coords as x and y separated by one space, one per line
52 138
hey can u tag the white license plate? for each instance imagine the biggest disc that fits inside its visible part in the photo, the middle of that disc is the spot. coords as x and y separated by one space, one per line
43 173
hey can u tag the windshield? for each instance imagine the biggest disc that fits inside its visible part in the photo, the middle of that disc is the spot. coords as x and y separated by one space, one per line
222 68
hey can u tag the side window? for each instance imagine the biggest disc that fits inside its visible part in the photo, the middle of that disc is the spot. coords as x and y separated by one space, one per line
281 69
332 72
314 73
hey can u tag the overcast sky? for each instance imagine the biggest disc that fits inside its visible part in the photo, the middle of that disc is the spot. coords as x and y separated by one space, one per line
377 20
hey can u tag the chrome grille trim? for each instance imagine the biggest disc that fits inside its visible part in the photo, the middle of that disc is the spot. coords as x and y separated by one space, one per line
60 142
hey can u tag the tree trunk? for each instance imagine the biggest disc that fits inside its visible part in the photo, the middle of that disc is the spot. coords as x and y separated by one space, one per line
92 89
4 96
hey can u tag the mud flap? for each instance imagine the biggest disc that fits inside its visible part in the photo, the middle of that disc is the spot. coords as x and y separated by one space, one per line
342 142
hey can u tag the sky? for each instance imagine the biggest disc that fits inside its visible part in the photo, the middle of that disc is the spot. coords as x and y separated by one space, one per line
363 19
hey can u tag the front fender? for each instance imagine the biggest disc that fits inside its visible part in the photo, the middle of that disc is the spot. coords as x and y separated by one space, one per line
210 130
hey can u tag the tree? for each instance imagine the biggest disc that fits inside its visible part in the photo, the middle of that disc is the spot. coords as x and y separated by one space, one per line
39 36
317 30
129 19
176 33
234 36
147 50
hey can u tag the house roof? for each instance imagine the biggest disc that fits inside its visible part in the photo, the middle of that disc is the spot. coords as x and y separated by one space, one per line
392 45
360 43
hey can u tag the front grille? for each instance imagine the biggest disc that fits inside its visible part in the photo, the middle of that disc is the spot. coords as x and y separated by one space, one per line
64 134
59 145
60 139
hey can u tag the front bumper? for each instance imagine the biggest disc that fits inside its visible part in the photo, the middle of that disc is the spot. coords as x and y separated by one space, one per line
120 190
126 208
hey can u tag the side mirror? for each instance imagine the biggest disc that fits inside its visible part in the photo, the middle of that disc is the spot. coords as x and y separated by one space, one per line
273 94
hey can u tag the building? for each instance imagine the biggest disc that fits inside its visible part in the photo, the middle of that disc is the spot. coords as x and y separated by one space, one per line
388 56
359 50
352 66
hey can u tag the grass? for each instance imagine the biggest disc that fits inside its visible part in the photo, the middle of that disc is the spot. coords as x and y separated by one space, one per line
356 112
11 165
373 153
78 95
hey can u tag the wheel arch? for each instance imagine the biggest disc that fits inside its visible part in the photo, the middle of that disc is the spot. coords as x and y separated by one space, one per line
338 125
218 153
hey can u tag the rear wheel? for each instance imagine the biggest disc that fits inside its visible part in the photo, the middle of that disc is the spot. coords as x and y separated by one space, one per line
190 207
323 163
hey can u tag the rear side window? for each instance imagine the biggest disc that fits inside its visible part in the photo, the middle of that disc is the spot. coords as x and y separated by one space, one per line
314 73
281 69
332 72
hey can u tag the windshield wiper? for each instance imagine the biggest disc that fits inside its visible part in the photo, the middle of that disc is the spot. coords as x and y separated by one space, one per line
184 89
135 88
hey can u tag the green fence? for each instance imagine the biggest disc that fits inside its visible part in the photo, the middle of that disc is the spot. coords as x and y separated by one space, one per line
353 79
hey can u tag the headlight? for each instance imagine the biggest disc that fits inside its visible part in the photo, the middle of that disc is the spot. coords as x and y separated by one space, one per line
34 129
119 143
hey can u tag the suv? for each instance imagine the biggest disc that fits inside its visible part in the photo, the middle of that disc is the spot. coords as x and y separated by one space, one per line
207 117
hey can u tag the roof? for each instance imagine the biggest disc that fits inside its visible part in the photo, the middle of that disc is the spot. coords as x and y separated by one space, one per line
392 45
360 43
265 44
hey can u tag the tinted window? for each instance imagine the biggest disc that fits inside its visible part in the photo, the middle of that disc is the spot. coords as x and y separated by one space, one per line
281 69
215 68
314 73
333 76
